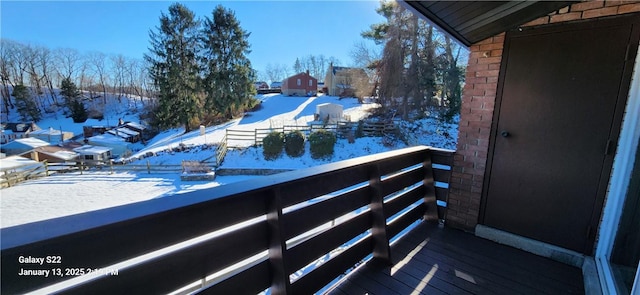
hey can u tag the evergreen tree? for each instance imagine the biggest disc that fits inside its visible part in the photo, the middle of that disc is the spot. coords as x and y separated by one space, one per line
71 96
25 104
228 76
174 68
69 91
297 66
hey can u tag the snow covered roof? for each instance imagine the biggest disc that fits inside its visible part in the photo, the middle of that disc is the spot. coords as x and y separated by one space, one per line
107 137
58 152
123 132
134 125
92 150
13 162
49 131
26 142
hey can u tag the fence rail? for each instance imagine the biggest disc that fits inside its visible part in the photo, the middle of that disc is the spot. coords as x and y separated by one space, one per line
11 177
268 233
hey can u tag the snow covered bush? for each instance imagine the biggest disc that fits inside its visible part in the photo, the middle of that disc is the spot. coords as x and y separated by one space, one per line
272 145
294 143
321 144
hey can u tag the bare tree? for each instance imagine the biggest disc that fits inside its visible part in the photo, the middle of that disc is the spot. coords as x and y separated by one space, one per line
118 70
97 62
276 72
68 61
5 73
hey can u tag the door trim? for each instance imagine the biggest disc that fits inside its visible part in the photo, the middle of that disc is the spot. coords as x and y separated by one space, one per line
619 182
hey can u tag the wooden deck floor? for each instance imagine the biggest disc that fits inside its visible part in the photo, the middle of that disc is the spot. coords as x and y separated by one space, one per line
432 260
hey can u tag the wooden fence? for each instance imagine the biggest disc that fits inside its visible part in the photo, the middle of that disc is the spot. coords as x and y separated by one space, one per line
240 238
240 138
12 177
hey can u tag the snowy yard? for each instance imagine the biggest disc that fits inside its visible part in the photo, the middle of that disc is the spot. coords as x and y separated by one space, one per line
72 193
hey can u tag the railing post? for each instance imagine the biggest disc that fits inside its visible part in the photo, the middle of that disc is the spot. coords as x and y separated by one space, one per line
381 250
431 214
280 284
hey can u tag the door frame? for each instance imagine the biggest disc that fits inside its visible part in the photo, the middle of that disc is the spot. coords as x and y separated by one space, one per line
618 115
619 183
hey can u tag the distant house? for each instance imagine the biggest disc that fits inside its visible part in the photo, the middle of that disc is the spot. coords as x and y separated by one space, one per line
13 131
275 85
118 145
22 145
51 135
89 131
301 84
260 85
344 81
93 153
52 154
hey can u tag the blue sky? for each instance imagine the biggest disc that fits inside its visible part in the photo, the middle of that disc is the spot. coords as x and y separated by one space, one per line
280 30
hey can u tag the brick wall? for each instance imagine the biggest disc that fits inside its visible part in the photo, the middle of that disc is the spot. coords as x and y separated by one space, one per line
478 101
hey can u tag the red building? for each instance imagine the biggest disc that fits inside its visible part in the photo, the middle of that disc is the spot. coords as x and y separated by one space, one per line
301 84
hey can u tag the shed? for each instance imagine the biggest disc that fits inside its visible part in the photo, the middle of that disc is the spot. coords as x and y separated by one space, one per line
330 112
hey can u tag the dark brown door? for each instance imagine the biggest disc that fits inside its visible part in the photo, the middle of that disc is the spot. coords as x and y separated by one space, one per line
559 109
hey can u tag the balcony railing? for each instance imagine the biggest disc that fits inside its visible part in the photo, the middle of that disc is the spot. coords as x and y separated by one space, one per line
291 233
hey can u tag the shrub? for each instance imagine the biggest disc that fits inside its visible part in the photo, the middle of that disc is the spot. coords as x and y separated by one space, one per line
78 112
321 144
272 145
294 143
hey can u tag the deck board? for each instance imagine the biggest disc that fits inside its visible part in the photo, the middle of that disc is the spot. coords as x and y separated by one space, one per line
433 260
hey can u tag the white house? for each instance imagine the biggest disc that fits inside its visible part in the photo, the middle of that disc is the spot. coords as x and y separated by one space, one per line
51 135
93 153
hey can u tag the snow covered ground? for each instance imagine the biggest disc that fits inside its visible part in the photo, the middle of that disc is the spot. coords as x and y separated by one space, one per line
72 193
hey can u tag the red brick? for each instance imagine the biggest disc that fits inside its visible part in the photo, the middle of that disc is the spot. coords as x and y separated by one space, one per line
485 85
565 17
489 105
628 8
492 79
536 22
619 2
490 92
477 67
496 52
490 60
600 12
473 48
586 5
485 41
475 80
491 46
487 73
494 66
471 92
499 38
476 55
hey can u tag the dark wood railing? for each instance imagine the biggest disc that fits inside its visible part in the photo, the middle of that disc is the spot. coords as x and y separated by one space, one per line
277 224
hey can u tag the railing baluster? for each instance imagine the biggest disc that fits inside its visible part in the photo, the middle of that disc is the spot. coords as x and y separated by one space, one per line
431 213
280 284
381 249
